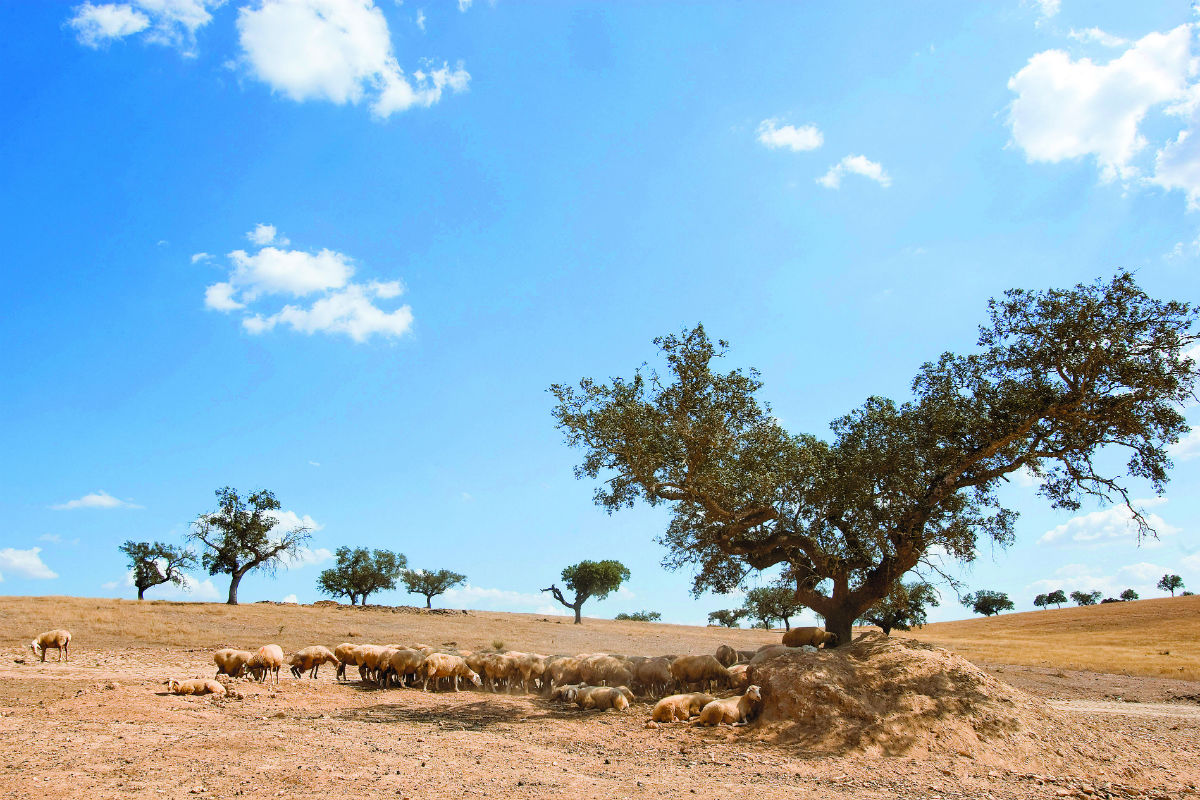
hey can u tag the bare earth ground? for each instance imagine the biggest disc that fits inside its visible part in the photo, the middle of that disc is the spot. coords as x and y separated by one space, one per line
99 726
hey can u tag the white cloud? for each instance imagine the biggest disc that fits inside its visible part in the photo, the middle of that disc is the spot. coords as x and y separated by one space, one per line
1024 478
191 589
1088 35
1048 8
463 5
100 499
50 537
1113 524
26 563
291 598
307 557
483 599
314 463
167 22
289 520
421 19
1188 447
198 257
264 234
1067 109
806 137
1141 577
343 307
336 50
854 165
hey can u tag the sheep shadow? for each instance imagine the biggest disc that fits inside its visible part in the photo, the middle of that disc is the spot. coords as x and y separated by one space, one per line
476 716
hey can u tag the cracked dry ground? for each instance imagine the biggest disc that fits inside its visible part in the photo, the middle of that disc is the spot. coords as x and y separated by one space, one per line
99 726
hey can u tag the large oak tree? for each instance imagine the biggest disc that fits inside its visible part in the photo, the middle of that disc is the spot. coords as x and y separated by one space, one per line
1058 377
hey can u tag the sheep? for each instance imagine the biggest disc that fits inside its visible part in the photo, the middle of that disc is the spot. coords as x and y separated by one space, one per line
653 676
310 660
440 665
199 686
406 662
369 657
498 669
231 661
739 677
701 670
726 655
603 669
562 669
532 667
681 707
58 638
345 655
565 692
601 698
744 656
267 660
732 710
810 636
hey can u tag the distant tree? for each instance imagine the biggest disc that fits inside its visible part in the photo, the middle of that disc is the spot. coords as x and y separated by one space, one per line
1085 598
238 537
1129 594
1169 583
155 563
903 609
1041 601
1059 379
1186 594
1058 597
360 572
430 584
726 617
766 603
640 616
1108 600
589 579
988 602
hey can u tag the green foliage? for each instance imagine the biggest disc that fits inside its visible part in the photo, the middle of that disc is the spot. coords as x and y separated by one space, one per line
640 616
1129 594
589 579
1058 597
156 563
238 537
430 584
767 603
988 602
1086 598
726 617
1059 376
904 608
1041 601
1169 583
360 572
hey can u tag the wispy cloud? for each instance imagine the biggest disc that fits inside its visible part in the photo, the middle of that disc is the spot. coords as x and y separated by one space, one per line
789 137
25 563
167 22
485 599
855 165
99 499
1111 525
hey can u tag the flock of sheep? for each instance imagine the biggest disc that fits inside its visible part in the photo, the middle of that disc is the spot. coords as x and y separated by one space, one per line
600 681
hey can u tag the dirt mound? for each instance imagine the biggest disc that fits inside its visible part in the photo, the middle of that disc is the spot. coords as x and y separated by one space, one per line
881 696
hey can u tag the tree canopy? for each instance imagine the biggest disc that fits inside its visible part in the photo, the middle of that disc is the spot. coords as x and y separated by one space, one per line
639 616
430 584
359 573
905 607
1128 595
726 617
1058 597
767 603
988 602
589 579
1086 598
156 563
239 537
1169 583
1058 377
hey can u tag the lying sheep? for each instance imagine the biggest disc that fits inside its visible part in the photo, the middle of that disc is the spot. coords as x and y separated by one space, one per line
739 677
198 686
726 655
815 637
310 660
731 710
439 665
565 692
59 639
601 698
231 661
345 655
700 670
680 707
267 660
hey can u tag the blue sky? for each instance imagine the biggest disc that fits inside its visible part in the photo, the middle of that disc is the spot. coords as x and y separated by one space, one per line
339 249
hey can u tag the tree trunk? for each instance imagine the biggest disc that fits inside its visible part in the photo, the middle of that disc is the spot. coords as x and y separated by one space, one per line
429 601
234 580
840 621
364 598
578 614
787 625
141 593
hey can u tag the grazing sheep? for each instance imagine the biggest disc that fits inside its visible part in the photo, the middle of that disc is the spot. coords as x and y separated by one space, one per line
231 661
680 707
653 677
726 655
744 656
406 662
561 670
440 665
199 686
310 660
345 655
739 677
731 710
601 698
59 639
499 670
810 636
606 670
701 670
531 667
369 657
267 660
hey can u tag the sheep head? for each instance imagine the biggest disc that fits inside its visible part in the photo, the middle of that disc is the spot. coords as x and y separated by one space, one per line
754 693
35 647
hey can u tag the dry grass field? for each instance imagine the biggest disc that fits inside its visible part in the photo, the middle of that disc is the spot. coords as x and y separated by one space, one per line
1154 638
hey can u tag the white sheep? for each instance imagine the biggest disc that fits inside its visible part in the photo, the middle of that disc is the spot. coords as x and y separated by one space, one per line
268 659
732 710
440 665
231 661
680 707
198 686
58 638
310 660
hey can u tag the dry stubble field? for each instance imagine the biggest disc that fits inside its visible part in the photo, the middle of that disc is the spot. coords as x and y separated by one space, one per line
100 726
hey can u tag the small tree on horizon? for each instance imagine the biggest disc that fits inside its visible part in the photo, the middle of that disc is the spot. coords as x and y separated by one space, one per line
1086 598
988 602
360 572
726 617
1169 583
1041 601
431 584
238 537
904 608
765 603
1058 597
639 616
589 579
156 563
1129 594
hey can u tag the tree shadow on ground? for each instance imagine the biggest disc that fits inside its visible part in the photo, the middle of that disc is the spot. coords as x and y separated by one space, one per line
474 716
